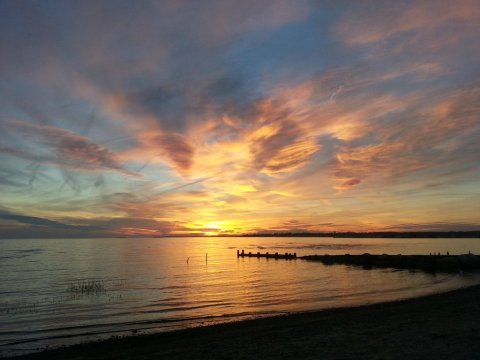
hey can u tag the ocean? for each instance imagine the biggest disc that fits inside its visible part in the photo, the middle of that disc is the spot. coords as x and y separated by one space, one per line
56 292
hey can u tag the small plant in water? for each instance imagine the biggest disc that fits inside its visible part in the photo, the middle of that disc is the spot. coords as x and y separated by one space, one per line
88 287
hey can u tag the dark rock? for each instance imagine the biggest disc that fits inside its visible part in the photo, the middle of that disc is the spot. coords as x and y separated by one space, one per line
447 263
469 262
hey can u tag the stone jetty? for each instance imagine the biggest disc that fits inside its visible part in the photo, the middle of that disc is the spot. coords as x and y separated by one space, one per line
429 263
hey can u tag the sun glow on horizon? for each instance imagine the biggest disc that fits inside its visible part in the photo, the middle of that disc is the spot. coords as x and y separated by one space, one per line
265 118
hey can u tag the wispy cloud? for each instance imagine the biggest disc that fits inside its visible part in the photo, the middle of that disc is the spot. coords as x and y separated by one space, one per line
65 149
176 117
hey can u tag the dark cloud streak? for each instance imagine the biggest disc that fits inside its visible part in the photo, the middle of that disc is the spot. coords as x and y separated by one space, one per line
69 149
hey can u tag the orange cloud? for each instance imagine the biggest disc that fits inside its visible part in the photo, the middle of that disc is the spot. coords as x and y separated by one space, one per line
402 18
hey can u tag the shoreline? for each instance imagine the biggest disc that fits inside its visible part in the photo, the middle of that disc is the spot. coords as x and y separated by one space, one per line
441 326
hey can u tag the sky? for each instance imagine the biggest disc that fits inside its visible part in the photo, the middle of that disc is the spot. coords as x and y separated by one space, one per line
152 118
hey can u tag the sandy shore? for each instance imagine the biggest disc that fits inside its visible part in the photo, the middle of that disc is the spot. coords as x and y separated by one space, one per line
443 326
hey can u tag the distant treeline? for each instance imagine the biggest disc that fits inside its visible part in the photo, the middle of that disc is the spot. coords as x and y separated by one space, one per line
380 234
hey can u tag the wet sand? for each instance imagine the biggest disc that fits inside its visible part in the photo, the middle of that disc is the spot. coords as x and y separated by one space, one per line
442 326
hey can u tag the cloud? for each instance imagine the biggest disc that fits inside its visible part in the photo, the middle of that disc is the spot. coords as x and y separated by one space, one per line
435 226
236 113
281 146
81 153
7 182
18 225
393 19
169 106
348 184
69 149
177 149
433 131
32 220
128 226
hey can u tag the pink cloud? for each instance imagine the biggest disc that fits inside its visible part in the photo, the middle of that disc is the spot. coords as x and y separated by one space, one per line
69 149
375 22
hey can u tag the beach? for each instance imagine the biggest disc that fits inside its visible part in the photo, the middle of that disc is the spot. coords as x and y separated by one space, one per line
440 326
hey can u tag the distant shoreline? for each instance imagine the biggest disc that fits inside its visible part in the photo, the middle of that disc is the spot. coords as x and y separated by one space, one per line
374 234
440 326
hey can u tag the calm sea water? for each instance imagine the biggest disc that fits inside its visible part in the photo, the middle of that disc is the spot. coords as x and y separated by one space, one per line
146 285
